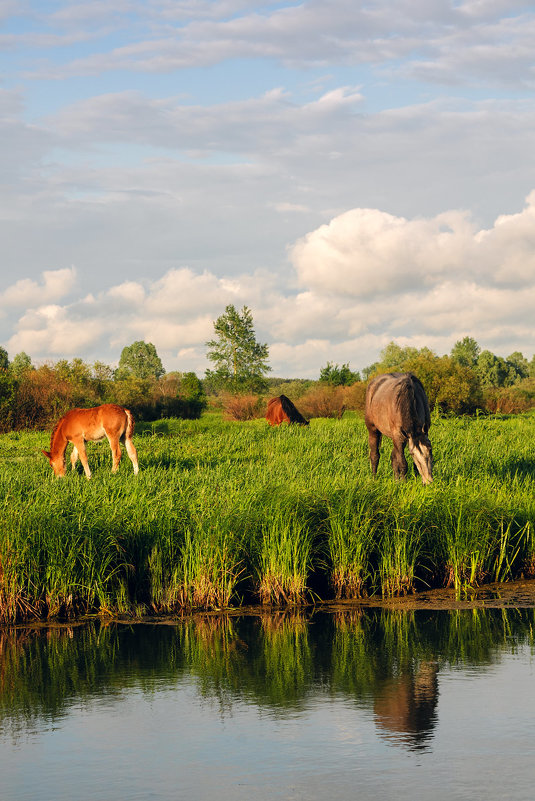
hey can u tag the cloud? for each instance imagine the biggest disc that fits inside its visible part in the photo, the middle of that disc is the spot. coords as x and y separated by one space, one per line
364 253
364 279
441 42
27 293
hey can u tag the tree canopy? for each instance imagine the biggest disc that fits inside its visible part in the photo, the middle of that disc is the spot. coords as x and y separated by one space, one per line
240 361
140 360
338 376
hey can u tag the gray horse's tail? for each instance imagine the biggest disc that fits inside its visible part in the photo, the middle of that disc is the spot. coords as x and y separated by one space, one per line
413 406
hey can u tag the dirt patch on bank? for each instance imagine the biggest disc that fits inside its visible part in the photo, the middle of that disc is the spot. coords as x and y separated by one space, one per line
520 594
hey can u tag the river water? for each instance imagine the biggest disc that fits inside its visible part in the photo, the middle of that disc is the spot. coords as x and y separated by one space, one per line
356 705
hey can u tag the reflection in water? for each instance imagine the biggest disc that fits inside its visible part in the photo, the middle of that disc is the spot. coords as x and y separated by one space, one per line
406 706
271 707
387 662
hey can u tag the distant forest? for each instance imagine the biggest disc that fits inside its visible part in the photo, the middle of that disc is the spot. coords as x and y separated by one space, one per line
465 381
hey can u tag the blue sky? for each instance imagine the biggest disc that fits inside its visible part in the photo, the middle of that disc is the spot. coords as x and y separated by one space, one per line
354 173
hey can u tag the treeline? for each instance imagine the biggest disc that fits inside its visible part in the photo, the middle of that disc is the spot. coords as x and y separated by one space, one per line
35 397
464 381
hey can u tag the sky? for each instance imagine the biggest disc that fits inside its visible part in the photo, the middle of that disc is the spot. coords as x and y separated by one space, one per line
354 173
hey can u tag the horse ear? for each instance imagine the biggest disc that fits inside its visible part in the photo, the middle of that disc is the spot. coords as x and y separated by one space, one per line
47 454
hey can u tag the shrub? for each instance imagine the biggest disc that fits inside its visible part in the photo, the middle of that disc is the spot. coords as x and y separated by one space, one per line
324 401
243 407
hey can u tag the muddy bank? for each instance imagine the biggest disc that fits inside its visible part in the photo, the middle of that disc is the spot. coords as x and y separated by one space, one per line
512 594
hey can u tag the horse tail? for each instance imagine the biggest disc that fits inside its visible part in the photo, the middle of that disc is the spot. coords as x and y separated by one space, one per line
407 406
130 424
415 421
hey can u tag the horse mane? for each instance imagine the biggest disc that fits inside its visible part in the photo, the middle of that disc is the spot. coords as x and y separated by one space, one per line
289 409
54 433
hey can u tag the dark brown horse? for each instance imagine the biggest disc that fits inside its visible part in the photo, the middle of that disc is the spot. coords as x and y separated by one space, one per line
397 407
281 409
80 425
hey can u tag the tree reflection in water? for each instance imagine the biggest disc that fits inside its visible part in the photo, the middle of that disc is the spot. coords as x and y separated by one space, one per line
386 662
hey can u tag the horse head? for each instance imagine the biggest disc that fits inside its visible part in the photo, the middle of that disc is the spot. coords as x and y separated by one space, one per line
57 464
422 454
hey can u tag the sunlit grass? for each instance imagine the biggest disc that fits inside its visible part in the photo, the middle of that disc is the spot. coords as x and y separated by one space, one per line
223 513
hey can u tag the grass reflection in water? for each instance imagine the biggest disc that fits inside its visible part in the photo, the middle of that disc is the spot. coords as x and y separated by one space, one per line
386 662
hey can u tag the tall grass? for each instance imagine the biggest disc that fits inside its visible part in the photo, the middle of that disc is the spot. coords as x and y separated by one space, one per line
224 513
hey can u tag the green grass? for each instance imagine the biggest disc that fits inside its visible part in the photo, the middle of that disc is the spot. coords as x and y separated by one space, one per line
225 513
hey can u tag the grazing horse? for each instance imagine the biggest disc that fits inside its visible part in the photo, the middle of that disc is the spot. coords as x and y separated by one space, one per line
281 409
397 407
80 425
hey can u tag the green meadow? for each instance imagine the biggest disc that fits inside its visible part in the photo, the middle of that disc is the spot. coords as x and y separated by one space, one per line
224 514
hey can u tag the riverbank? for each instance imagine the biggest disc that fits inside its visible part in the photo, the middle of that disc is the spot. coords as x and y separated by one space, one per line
226 515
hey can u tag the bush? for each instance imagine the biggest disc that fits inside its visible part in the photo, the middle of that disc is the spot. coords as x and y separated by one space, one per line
243 407
510 400
324 401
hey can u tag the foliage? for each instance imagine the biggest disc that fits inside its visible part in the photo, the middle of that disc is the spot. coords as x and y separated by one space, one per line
240 361
243 407
466 352
21 364
338 376
8 389
449 385
4 359
140 360
323 401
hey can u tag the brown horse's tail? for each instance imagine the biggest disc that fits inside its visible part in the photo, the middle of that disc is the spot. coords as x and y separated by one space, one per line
130 424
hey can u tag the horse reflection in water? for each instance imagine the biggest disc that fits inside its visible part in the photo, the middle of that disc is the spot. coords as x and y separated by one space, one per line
405 707
397 407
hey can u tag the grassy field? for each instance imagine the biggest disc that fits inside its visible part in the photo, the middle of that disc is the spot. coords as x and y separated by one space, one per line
226 513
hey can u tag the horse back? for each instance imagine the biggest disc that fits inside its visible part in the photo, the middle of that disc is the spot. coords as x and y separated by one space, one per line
281 409
396 404
109 419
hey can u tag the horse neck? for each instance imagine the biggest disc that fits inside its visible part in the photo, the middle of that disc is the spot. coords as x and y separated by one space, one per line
58 441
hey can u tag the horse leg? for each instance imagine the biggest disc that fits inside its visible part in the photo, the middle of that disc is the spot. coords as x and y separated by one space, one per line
113 439
399 462
132 453
79 446
374 441
74 457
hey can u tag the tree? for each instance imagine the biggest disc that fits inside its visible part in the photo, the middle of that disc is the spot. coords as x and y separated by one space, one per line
466 352
240 361
4 359
140 360
393 356
494 371
519 363
338 376
21 364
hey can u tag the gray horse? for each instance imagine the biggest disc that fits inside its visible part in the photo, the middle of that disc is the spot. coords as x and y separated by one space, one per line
397 406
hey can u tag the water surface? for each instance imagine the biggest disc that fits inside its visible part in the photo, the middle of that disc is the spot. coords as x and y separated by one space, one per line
421 705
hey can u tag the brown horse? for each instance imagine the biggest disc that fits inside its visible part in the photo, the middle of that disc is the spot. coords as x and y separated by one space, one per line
80 425
281 409
397 407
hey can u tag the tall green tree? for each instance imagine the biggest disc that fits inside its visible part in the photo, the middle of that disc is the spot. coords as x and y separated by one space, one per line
4 359
338 376
466 352
21 364
140 360
240 361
